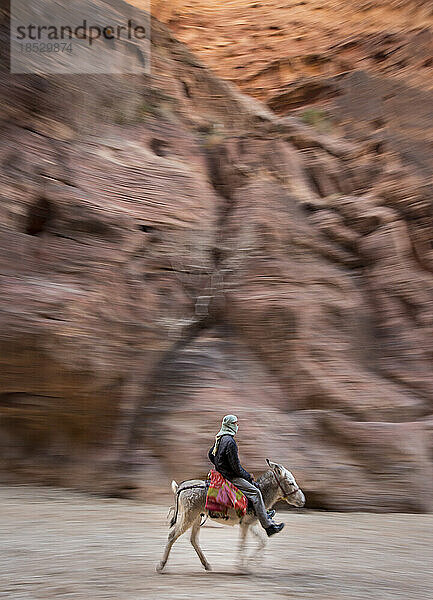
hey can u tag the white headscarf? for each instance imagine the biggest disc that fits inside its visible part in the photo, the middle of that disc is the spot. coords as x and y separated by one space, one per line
229 426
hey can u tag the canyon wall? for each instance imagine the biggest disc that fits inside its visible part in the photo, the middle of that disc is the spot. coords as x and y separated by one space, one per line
173 251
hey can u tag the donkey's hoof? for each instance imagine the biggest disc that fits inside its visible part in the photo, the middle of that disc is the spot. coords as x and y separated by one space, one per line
160 567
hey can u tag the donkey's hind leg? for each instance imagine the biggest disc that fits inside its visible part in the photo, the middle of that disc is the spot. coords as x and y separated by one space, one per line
176 531
194 541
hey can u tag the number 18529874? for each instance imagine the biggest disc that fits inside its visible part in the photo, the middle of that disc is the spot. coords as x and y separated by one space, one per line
40 47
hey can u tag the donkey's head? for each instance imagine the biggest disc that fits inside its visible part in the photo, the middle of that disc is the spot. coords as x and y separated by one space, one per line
287 487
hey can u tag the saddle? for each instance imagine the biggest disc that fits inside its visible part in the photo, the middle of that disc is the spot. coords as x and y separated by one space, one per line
223 495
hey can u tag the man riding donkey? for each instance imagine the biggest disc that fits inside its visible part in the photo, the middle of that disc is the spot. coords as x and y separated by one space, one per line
225 497
224 455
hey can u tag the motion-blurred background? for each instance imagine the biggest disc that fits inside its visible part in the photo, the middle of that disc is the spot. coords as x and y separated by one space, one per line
173 250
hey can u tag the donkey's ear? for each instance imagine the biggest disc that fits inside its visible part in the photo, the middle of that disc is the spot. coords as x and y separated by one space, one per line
271 464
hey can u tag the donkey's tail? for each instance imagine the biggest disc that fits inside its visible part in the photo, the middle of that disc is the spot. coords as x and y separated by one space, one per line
174 510
170 514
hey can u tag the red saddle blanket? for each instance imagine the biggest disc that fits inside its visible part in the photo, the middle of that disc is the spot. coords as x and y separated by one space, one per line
223 495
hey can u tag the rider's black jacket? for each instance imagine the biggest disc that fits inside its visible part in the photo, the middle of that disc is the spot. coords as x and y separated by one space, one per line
226 459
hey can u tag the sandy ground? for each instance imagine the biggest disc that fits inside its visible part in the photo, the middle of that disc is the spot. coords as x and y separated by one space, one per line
60 544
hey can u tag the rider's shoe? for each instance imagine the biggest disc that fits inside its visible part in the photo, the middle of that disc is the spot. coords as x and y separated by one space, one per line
271 513
274 528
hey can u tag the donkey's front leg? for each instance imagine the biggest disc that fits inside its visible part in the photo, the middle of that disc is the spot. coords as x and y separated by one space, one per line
258 533
242 546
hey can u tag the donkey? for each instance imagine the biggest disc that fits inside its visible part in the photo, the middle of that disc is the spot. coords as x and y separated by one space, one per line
275 484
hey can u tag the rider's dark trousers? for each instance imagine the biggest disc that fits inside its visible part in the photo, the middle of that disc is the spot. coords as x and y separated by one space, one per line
255 495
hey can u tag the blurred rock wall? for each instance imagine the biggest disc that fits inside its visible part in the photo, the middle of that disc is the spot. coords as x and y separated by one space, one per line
173 251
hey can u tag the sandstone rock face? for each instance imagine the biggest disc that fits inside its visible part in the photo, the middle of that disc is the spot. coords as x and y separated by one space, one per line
163 10
173 251
264 46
